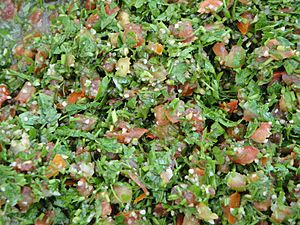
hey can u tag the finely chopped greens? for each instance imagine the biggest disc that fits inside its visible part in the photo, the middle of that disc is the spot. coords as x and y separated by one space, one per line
149 112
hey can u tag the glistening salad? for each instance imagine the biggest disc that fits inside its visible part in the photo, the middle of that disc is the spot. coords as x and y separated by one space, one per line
149 112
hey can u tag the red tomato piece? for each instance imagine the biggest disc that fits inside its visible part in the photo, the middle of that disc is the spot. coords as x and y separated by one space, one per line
91 21
220 50
47 219
90 4
183 30
36 16
209 6
40 61
26 93
245 155
234 202
9 10
262 133
138 30
74 97
27 200
110 11
244 27
4 93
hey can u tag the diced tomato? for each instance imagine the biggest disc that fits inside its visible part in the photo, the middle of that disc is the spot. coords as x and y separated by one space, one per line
9 10
26 93
4 94
220 50
40 61
237 132
230 107
57 164
280 213
183 30
156 47
106 208
110 11
244 27
187 89
20 51
262 133
74 97
213 26
27 199
236 181
160 115
245 155
279 54
137 30
233 59
179 219
92 21
276 76
209 6
190 198
24 166
47 219
36 16
263 205
234 202
6 112
129 135
130 218
90 4
84 188
290 79
196 118
151 136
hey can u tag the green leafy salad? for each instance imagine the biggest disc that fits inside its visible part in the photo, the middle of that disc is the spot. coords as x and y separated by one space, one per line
149 112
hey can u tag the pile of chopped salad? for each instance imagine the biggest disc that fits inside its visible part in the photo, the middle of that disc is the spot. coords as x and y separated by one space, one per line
149 112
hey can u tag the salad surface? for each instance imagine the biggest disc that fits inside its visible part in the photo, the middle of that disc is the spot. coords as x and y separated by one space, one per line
147 112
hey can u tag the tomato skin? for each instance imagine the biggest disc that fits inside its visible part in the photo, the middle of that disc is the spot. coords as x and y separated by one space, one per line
40 61
21 51
74 97
36 16
209 6
90 4
156 47
187 89
128 136
47 219
26 93
230 107
220 50
234 202
91 21
110 11
28 199
138 30
244 27
58 163
183 30
262 133
9 10
4 93
245 155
